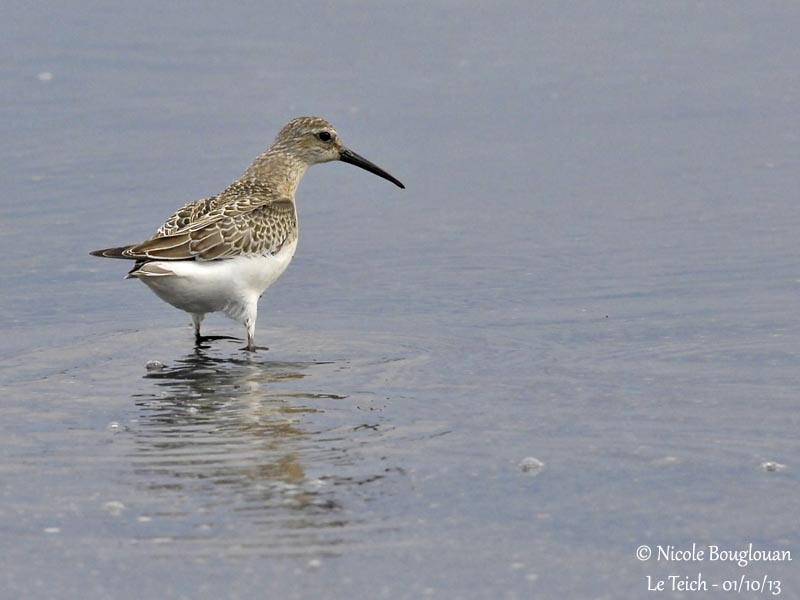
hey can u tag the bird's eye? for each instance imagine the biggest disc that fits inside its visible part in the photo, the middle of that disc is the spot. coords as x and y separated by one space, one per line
325 136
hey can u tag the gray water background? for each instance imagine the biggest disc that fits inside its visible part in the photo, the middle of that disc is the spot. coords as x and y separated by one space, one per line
594 264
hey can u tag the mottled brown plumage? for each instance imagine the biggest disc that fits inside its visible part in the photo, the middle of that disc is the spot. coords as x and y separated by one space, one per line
246 219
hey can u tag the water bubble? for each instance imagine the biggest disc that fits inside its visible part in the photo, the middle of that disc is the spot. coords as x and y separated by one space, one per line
772 466
154 365
114 426
531 465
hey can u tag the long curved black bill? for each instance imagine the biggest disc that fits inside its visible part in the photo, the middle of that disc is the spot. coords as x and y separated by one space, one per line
351 157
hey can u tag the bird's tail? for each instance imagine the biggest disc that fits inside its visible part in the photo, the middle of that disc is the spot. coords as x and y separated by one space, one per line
114 253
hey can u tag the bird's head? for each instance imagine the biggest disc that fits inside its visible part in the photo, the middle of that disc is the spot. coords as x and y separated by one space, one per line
313 140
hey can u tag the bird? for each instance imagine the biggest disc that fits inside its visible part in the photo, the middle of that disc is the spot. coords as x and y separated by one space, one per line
220 254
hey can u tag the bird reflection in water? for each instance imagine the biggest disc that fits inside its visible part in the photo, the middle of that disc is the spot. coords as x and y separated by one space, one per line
231 436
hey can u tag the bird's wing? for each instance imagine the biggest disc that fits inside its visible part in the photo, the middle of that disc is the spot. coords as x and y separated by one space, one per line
241 195
247 226
248 217
187 214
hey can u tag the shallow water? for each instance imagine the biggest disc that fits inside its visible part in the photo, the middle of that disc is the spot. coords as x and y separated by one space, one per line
594 265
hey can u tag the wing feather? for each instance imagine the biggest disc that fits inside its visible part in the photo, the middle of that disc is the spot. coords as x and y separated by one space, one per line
248 218
225 233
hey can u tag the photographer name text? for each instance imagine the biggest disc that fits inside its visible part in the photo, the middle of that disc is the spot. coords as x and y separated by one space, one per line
741 556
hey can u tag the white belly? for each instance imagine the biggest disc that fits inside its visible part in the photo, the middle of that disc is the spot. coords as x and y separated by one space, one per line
230 286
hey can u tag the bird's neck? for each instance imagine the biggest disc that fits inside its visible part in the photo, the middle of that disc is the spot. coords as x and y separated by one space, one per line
279 170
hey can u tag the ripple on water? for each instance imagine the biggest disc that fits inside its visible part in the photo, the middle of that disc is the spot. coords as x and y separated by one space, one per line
225 453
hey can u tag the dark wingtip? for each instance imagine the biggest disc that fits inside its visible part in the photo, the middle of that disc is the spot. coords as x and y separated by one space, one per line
112 252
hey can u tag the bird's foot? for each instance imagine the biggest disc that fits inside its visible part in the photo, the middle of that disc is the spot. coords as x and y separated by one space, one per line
254 348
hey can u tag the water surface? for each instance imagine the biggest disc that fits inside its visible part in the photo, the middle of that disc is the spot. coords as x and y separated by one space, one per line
594 265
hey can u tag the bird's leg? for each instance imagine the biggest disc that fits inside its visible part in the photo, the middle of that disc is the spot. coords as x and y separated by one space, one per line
249 319
250 324
197 318
250 315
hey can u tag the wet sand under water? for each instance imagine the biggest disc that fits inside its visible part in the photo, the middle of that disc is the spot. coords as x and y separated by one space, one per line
345 463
